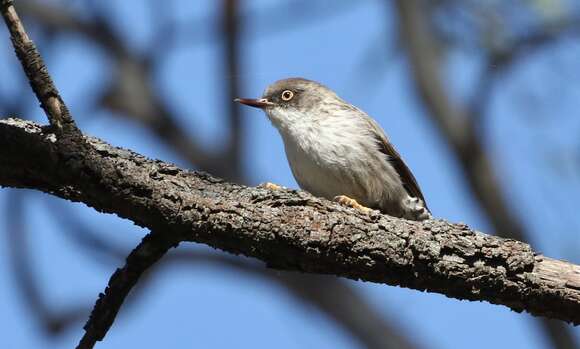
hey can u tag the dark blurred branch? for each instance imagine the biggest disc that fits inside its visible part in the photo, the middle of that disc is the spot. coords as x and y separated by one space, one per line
86 237
271 19
346 307
231 31
457 127
19 255
329 294
501 59
453 120
60 19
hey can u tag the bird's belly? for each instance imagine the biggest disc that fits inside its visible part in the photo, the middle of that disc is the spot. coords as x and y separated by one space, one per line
316 178
328 169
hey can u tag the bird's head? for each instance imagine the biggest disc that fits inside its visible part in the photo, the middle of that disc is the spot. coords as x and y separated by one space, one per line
295 100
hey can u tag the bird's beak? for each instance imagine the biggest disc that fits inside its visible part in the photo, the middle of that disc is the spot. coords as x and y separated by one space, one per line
256 103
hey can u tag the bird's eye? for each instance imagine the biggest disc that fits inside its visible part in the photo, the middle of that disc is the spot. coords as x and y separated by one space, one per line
287 95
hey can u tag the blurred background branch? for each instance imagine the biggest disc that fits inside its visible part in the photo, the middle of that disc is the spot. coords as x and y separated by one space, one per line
458 123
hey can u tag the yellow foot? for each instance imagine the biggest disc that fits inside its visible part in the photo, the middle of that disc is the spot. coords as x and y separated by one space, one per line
270 186
345 200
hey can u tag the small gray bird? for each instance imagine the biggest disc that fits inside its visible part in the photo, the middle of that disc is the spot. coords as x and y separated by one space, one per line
337 151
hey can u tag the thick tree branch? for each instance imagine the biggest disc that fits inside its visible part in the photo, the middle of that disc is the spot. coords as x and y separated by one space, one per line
291 229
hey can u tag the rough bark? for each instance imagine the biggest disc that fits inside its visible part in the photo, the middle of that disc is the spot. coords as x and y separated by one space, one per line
290 229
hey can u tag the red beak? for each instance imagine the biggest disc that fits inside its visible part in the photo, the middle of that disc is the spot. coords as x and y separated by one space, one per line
256 103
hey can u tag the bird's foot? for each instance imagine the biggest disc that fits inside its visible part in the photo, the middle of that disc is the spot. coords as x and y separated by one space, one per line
345 200
271 186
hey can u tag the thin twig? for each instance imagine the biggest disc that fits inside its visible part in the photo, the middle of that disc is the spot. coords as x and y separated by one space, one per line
150 250
36 71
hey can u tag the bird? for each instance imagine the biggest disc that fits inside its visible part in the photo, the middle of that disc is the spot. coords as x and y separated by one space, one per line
338 152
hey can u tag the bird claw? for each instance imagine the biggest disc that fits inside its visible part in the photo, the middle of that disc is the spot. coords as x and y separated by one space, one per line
270 186
345 200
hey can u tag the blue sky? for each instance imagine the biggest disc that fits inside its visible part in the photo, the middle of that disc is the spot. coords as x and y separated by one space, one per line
529 126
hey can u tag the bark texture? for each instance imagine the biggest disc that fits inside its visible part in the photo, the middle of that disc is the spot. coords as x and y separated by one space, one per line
289 229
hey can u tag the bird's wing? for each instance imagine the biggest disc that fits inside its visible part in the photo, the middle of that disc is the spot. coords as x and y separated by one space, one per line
409 181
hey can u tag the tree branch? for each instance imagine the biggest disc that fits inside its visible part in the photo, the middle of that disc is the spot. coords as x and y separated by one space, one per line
35 69
148 252
291 229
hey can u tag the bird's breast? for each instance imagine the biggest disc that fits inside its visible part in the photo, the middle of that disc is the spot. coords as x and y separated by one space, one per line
341 158
316 165
333 159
